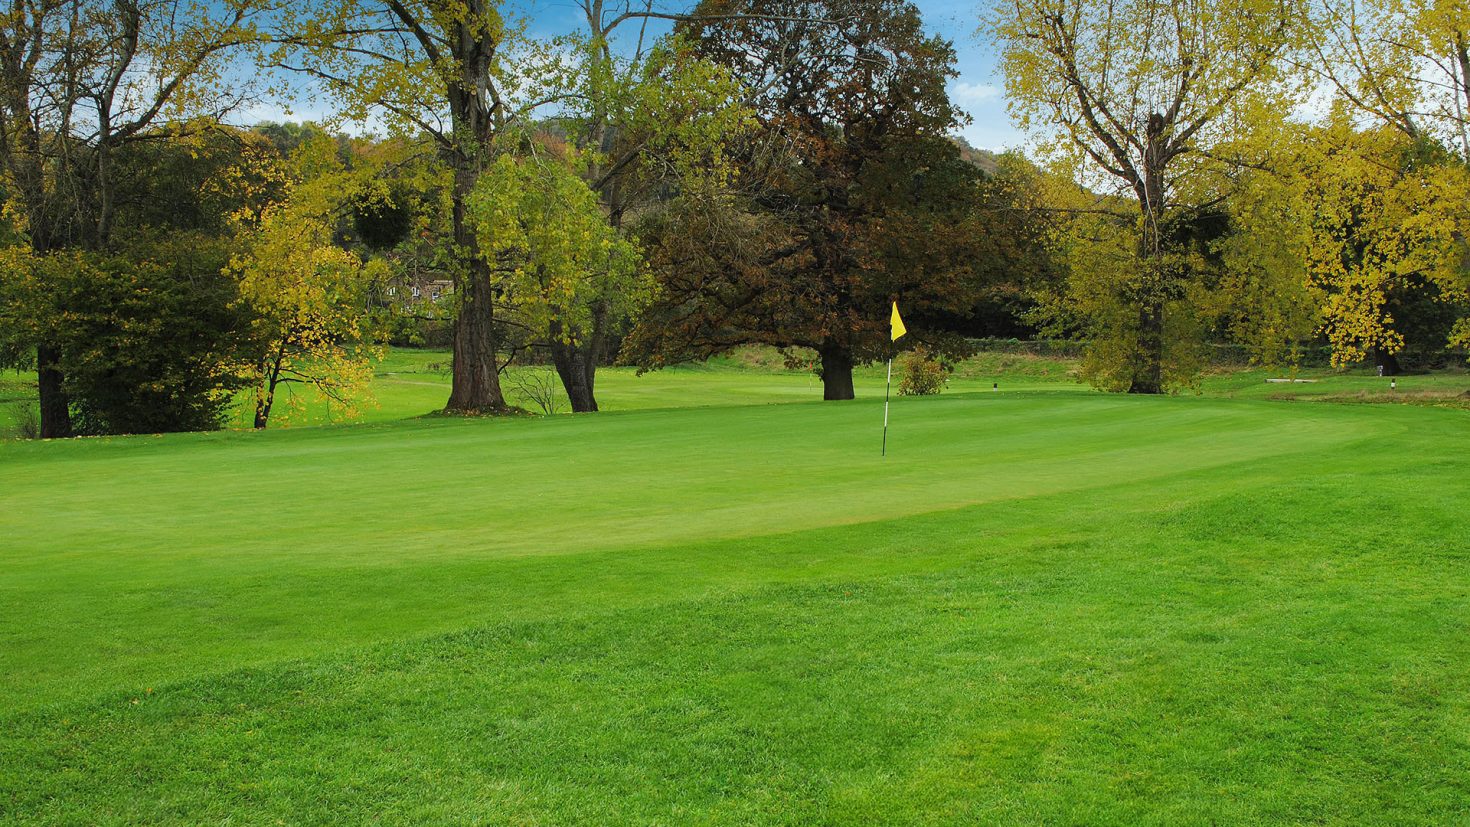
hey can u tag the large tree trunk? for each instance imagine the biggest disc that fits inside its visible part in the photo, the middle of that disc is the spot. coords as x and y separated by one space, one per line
576 364
836 371
1148 374
55 411
577 374
476 373
476 378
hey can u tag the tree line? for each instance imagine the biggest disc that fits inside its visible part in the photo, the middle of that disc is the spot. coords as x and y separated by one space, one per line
762 171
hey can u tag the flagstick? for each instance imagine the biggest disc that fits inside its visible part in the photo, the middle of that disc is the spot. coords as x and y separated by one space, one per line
886 387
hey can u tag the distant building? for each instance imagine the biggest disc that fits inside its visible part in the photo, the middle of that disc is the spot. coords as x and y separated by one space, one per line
415 290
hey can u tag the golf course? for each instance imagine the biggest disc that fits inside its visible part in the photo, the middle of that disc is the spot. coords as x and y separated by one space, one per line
716 603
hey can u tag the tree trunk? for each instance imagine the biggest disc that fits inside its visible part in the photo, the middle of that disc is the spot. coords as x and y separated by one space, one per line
836 371
476 378
577 374
576 364
476 372
264 404
55 410
1387 361
1148 372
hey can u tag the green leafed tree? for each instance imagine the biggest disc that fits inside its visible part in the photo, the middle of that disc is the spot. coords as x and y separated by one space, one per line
1144 97
847 194
460 73
646 118
80 82
560 267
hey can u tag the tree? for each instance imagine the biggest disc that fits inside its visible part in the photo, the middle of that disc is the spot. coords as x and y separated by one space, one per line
850 193
307 296
460 74
645 122
1379 224
1404 62
79 81
561 265
1143 93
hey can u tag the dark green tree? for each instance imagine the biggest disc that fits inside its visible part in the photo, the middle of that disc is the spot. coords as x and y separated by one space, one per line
850 194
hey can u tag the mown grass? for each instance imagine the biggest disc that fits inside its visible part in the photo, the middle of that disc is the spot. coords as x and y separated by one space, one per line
1044 606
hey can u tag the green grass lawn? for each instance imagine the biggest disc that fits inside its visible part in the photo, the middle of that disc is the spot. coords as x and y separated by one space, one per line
1046 605
413 382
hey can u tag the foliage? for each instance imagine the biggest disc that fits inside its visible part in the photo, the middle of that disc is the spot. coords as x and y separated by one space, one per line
558 259
149 341
1380 222
1403 63
308 296
382 213
846 194
924 373
1143 98
1263 299
1360 233
460 75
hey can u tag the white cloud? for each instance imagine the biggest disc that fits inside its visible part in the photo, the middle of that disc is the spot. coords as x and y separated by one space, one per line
972 93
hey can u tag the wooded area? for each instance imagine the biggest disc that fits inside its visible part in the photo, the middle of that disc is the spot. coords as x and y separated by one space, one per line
1271 173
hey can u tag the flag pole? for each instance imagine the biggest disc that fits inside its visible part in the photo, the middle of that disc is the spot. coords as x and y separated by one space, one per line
888 385
895 330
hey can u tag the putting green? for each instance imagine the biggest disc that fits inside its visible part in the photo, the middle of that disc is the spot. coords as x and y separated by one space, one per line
151 559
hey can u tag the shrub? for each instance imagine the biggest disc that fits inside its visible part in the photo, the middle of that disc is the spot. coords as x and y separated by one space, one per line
27 423
540 387
149 344
924 374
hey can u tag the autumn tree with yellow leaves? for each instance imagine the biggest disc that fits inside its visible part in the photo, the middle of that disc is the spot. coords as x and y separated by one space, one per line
307 295
1138 97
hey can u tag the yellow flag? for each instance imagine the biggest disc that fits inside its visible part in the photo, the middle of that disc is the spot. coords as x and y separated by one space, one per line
897 324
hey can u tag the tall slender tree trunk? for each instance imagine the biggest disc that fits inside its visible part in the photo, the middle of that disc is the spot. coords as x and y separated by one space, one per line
836 370
476 372
1148 372
263 404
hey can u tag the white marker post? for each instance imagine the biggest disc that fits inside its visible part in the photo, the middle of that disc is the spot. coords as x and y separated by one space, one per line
886 387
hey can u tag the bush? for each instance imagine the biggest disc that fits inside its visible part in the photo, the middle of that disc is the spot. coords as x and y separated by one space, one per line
540 387
923 373
149 343
27 423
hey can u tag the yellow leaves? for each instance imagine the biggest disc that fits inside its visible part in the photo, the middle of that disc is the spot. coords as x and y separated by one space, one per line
1379 220
308 296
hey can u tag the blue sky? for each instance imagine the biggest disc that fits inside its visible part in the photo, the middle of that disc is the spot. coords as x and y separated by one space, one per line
978 89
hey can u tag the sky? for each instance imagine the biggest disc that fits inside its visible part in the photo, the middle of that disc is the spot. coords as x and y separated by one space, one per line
977 90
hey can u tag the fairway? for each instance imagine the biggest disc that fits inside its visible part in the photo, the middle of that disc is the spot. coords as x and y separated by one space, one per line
1043 606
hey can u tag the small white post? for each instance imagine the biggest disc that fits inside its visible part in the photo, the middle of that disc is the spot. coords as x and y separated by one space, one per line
886 387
